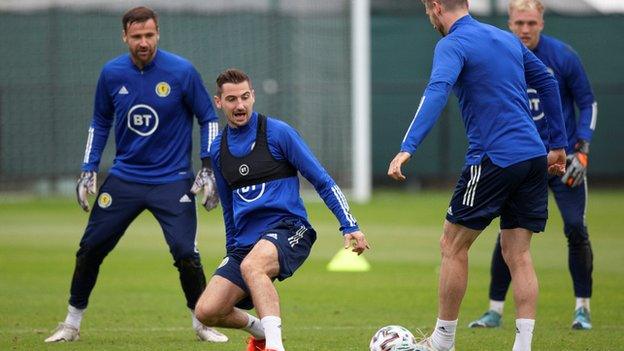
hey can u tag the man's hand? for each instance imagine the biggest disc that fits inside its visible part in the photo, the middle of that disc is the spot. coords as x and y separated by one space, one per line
394 170
577 165
357 241
205 181
87 184
556 162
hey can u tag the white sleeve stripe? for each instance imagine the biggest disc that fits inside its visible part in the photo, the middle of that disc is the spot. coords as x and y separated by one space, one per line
213 130
343 205
422 100
594 118
88 146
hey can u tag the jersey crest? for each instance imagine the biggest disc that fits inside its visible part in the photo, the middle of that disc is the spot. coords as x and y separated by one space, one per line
163 89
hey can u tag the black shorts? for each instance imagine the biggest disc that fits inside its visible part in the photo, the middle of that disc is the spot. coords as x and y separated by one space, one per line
293 240
517 193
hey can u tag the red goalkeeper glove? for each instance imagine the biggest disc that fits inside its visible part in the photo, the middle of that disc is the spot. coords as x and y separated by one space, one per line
576 165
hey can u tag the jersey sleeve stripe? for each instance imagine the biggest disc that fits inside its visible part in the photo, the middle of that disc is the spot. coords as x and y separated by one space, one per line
344 205
88 146
422 100
213 131
594 117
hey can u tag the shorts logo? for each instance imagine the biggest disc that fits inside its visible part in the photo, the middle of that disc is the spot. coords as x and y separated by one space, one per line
251 193
224 262
243 169
272 235
105 200
294 240
163 89
143 120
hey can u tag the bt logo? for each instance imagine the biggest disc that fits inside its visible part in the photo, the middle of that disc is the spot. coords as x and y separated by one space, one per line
251 193
534 104
142 119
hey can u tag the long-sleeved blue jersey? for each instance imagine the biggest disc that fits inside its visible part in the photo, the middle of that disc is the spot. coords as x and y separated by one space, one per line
574 87
250 210
152 109
488 70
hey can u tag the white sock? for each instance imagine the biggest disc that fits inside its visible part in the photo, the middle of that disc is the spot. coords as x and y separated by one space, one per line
196 323
497 306
254 327
272 326
582 302
443 337
74 316
524 334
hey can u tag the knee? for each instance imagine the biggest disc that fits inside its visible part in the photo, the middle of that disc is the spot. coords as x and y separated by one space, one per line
515 258
249 268
452 249
209 313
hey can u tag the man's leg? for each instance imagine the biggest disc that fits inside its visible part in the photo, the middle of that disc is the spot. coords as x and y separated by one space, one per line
105 227
516 245
500 279
173 205
454 246
258 269
572 203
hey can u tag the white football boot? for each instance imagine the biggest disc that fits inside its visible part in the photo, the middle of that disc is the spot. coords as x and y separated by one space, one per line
209 334
64 333
426 345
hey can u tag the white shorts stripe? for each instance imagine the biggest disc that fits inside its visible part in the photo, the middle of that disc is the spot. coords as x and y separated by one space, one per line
471 187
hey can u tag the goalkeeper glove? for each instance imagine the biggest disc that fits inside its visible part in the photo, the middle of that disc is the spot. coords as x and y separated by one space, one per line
205 181
86 184
576 165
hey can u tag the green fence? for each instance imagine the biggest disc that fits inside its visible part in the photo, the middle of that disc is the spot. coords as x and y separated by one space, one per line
50 61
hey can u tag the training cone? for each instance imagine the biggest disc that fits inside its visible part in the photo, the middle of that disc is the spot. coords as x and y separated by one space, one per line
348 261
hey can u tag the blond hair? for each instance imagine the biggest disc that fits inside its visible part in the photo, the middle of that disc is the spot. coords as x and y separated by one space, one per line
524 5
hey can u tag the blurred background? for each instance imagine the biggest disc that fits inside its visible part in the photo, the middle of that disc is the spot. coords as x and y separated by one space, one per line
300 56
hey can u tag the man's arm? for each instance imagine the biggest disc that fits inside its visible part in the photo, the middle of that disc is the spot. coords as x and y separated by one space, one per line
103 115
198 99
578 83
576 80
537 76
293 148
448 61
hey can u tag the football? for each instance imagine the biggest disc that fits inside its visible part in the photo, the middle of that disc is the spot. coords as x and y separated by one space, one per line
393 338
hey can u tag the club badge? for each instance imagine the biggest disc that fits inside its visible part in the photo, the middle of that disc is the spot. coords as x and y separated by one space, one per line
163 89
105 200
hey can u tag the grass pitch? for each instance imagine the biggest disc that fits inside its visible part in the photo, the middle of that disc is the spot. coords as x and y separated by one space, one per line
137 303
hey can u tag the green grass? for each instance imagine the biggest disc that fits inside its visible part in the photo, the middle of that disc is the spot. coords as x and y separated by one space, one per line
137 303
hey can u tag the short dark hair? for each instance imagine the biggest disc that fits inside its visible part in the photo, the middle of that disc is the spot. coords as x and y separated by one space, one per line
448 4
138 15
231 75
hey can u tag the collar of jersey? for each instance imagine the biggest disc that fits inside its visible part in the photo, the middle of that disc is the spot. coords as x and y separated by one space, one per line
459 22
147 67
251 125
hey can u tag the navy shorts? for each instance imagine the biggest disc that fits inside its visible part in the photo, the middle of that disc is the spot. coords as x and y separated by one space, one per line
293 240
119 202
517 193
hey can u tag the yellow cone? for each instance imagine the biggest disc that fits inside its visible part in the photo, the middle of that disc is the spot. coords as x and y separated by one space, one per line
348 261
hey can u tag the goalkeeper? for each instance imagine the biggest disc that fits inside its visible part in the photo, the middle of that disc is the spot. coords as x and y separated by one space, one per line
256 161
150 96
526 21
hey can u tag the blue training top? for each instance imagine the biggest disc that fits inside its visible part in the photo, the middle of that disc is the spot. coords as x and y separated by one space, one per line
251 210
574 87
153 112
488 70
